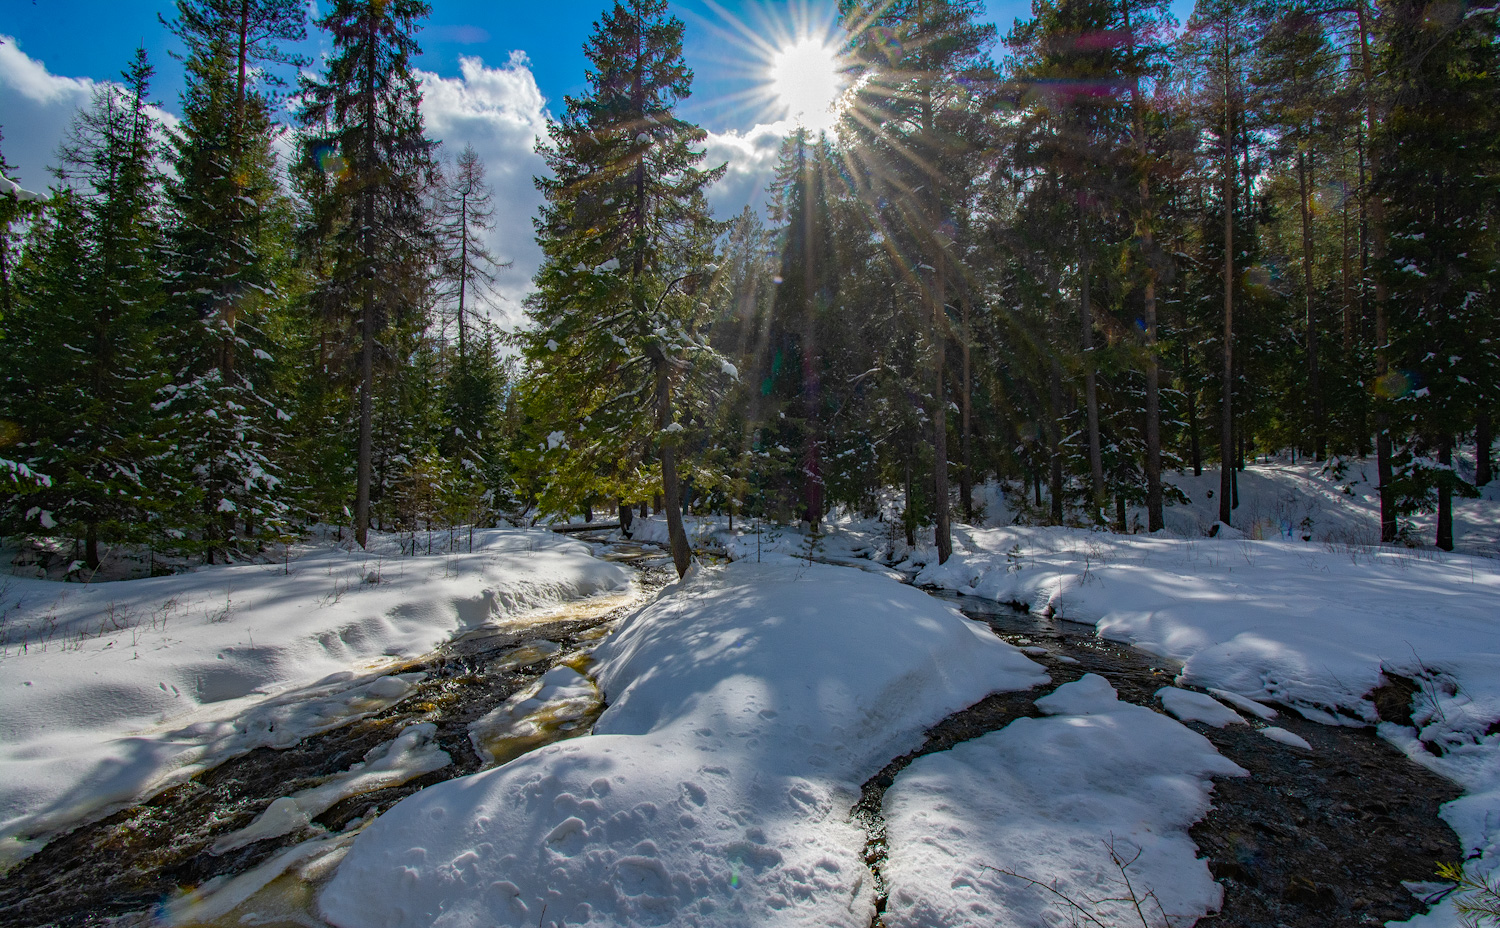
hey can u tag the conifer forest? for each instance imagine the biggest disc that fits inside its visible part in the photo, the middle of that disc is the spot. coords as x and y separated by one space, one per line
1058 488
1098 247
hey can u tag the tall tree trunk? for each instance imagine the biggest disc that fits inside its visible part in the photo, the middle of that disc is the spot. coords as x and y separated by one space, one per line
463 274
965 413
1314 387
1226 419
91 545
1090 378
670 487
1347 285
1445 494
943 531
1147 256
1054 437
1483 438
938 320
367 308
1376 209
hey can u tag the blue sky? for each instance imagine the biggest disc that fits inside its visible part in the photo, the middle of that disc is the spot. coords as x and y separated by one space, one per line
493 71
94 38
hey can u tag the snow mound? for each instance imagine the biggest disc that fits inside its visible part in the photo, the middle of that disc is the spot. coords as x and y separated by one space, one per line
1197 707
112 691
747 705
977 834
1286 737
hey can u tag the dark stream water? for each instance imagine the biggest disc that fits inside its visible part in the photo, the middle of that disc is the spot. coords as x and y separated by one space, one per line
1309 840
132 867
1320 838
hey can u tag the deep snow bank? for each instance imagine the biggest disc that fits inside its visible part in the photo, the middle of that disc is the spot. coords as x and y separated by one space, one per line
1313 627
748 704
113 689
993 833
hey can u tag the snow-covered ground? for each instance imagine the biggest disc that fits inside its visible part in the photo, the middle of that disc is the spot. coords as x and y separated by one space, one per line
997 831
748 702
1261 617
747 705
114 690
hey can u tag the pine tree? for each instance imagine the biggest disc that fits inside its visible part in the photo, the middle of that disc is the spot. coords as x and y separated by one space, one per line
1438 176
467 268
615 342
226 260
365 132
921 68
791 409
83 370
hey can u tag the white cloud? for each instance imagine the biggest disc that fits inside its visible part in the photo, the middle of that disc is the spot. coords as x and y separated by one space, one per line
502 113
751 160
37 107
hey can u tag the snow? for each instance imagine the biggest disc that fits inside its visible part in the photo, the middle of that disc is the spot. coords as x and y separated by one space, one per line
1286 737
1096 792
113 691
8 187
1312 627
746 707
408 756
1196 707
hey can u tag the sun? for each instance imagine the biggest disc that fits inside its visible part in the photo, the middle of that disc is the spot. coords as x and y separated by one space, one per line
806 80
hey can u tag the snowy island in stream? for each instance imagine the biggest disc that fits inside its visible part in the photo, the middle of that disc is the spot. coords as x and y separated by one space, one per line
744 709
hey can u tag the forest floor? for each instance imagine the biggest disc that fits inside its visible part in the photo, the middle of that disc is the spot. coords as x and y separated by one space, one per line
1115 730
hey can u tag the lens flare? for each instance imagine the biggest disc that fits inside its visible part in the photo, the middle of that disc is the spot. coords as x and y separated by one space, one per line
805 79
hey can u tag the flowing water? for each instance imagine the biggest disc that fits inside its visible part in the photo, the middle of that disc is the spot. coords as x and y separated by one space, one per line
1314 839
250 841
1324 838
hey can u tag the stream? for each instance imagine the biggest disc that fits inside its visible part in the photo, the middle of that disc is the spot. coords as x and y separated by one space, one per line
1320 838
132 868
1309 840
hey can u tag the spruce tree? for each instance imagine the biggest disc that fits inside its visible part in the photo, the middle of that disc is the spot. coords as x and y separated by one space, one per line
83 366
364 133
226 261
1438 175
922 70
627 240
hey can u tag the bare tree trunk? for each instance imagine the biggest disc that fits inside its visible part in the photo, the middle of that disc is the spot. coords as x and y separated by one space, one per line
1314 387
367 313
670 488
1226 420
1483 438
1347 286
1090 378
1376 209
1445 495
966 401
1054 382
938 320
1154 519
943 531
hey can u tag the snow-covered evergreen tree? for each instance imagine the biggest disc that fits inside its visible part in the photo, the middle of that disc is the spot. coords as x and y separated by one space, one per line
364 133
225 260
627 237
82 364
